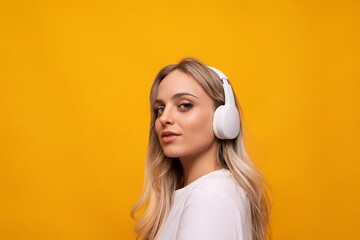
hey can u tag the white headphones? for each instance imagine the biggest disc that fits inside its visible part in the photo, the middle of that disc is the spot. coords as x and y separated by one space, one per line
226 122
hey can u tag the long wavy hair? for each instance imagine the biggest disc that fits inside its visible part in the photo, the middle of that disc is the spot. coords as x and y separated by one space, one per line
164 175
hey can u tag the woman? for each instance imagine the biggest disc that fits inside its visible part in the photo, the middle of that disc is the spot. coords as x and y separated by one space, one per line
199 181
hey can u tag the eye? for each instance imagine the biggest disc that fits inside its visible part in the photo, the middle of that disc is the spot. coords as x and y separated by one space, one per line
185 106
158 110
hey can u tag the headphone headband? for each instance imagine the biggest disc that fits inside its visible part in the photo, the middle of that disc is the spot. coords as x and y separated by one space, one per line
229 95
219 73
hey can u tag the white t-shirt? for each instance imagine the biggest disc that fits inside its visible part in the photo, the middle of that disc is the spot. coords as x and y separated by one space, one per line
213 206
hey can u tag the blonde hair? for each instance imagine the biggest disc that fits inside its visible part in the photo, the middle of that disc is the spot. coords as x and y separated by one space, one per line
163 175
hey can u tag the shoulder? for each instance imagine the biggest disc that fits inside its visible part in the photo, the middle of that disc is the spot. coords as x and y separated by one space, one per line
216 207
221 184
220 194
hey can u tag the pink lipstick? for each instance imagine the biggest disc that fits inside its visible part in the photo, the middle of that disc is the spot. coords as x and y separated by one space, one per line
168 136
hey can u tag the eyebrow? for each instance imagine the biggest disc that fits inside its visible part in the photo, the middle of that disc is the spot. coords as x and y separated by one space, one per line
178 95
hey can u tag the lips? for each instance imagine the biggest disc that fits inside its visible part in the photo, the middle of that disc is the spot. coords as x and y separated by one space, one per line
168 133
168 136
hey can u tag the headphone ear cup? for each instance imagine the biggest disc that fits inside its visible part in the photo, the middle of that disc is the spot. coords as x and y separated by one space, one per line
217 122
226 122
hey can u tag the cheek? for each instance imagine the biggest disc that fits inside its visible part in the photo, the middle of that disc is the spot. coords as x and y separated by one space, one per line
199 125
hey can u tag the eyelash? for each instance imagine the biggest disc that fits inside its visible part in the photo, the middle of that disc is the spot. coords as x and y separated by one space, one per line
187 106
156 109
184 107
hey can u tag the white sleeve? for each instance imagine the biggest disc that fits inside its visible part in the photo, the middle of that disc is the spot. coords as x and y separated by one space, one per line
211 216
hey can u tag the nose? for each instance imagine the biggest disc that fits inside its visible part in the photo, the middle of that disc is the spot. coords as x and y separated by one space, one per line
166 117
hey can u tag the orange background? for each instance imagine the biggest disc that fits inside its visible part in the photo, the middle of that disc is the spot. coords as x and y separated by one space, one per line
74 85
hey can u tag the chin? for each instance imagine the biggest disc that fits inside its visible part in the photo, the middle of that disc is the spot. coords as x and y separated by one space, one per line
172 152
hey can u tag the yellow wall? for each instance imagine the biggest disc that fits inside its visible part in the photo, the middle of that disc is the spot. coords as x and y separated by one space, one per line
74 83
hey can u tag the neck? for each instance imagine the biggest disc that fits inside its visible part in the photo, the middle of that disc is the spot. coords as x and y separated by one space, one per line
199 164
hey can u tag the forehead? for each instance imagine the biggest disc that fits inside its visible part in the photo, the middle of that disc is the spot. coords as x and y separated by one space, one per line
178 81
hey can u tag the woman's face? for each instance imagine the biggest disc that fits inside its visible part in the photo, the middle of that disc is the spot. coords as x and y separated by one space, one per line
184 116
